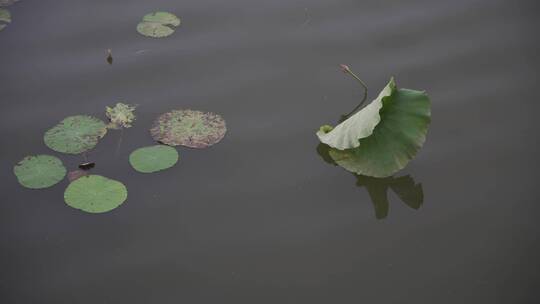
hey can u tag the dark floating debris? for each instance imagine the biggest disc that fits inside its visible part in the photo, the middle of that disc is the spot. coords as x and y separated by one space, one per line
87 166
109 56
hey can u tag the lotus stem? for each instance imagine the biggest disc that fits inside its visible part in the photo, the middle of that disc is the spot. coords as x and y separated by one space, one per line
347 70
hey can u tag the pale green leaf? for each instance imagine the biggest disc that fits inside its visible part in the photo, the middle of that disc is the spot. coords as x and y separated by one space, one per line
347 134
158 24
120 116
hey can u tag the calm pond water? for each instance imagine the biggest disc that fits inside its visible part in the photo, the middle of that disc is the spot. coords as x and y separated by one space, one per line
261 217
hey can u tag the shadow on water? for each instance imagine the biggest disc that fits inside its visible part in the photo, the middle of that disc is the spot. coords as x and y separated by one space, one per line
404 187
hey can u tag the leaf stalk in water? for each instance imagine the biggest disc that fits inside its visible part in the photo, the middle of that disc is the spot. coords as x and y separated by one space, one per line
347 70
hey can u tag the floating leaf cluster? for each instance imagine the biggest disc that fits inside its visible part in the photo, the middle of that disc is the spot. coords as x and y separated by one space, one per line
120 116
384 136
80 133
158 24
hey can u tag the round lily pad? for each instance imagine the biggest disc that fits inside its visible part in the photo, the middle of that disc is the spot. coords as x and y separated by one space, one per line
95 194
194 129
158 24
38 172
153 158
75 134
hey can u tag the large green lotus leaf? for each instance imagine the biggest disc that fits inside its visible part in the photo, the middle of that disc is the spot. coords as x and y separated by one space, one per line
95 194
153 158
5 15
120 116
347 134
189 128
405 118
158 24
75 134
40 171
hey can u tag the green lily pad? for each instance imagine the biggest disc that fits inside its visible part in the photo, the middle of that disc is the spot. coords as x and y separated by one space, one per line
382 138
194 129
95 194
38 172
120 116
158 24
75 134
153 158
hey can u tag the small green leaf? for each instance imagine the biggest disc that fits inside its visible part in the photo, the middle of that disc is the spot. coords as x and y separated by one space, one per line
95 194
153 158
75 134
189 128
41 171
158 24
5 15
120 116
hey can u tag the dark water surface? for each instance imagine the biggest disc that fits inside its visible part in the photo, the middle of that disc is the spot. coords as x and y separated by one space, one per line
260 217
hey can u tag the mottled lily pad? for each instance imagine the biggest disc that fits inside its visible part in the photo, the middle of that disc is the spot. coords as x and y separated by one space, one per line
194 129
75 134
120 116
38 172
158 24
153 158
95 194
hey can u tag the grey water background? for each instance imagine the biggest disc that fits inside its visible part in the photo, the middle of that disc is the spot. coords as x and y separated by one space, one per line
260 217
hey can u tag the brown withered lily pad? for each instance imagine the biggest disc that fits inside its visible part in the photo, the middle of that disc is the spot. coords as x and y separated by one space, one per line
73 175
194 129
